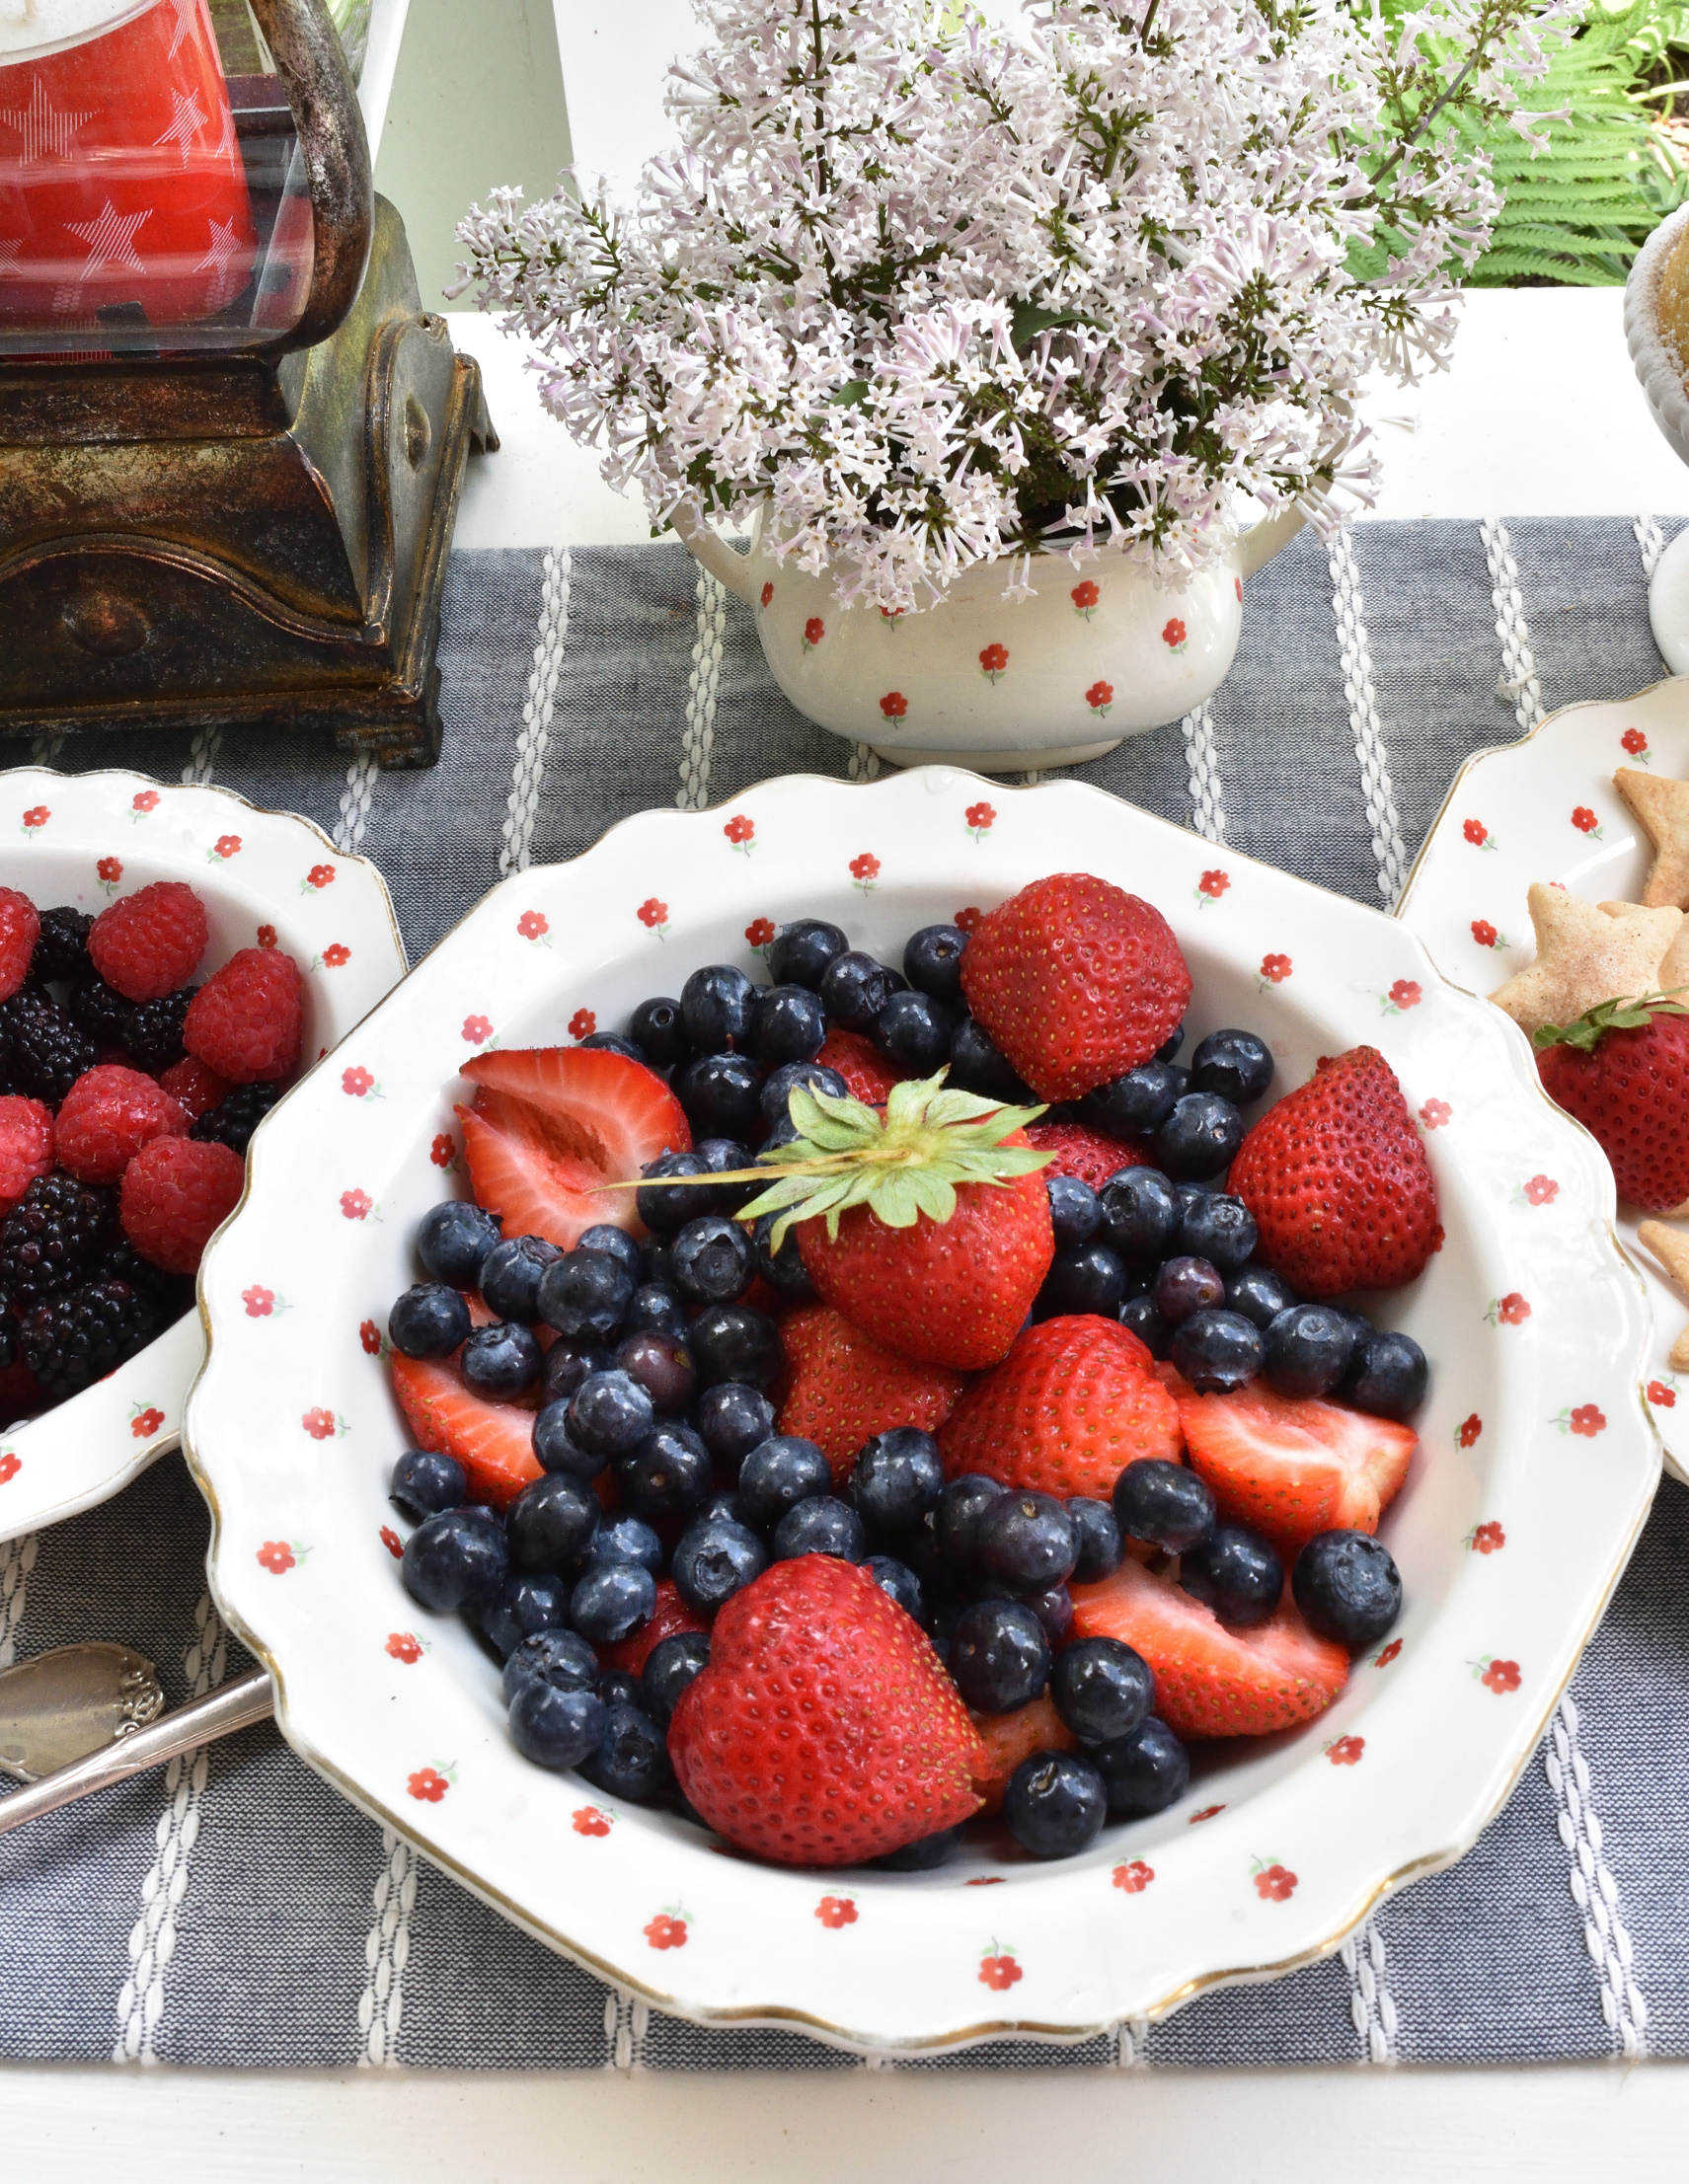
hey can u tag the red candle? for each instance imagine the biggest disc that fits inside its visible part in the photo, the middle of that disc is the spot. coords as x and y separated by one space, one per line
121 182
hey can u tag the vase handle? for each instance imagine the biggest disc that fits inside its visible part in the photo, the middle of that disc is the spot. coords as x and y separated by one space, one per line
1259 545
729 567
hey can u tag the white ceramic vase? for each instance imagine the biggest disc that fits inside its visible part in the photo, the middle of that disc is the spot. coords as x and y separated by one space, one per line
1659 369
1000 685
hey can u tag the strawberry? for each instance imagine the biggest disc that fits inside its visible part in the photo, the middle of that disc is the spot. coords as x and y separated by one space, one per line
1294 1466
1337 1180
844 1388
494 1442
549 1124
247 1020
1071 1405
867 1072
1075 980
823 1729
107 1116
1211 1680
1011 1738
669 1618
1086 1153
1622 1069
20 929
176 1194
26 1146
150 944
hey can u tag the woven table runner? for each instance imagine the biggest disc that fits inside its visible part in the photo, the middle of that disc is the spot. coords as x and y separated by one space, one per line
233 1910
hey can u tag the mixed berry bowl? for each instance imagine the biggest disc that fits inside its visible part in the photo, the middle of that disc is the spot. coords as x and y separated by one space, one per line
1536 1459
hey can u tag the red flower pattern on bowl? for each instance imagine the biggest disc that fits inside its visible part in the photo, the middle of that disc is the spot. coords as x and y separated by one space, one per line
894 705
37 815
318 1424
145 1424
320 876
1588 1420
336 955
146 799
653 913
1484 932
477 1030
391 1541
1101 696
1390 1653
1275 968
404 1646
354 1082
1134 1878
865 867
1584 820
664 1932
1207 1812
277 1556
10 1465
1513 1311
110 869
999 1973
1275 1884
533 925
442 1152
969 920
229 845
760 932
355 1204
1500 1677
1542 1191
1470 1428
1214 884
1634 741
981 817
587 1820
739 829
582 1025
1476 832
370 1334
267 935
836 1911
1435 1113
1488 1539
1661 1395
426 1785
1406 992
259 1303
1345 1750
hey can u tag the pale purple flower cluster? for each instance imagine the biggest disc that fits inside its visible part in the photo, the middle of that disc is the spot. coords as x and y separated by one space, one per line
930 299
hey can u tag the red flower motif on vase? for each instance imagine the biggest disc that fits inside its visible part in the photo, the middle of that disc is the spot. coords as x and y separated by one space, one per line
37 815
370 1334
318 1424
1541 1190
10 1465
1484 932
1345 1750
1214 884
146 799
653 914
404 1647
999 1970
1435 1113
1173 633
1275 1884
1512 1311
767 593
865 870
836 1911
1488 1539
110 869
477 1031
277 1556
355 1204
992 661
587 1820
969 920
145 1424
1099 697
442 1152
1134 1878
336 954
893 615
1405 994
1467 1431
229 845
664 1932
267 935
739 830
354 1082
1584 820
582 1025
813 631
1275 968
1085 598
426 1785
1389 1654
533 925
894 705
1588 1420
1661 1396
760 932
391 1541
1477 833
1635 743
259 1303
1499 1677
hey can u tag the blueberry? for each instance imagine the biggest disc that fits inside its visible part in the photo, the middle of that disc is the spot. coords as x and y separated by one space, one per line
662 1366
1103 1688
454 1559
657 1032
781 1133
803 950
855 988
1347 1585
722 1095
429 1320
897 1477
999 1656
734 1342
627 1540
788 1026
1259 1293
1027 1539
611 1601
423 1483
632 1758
1140 1215
655 1309
605 1236
712 1559
914 1029
784 1270
609 1414
1234 1064
723 1507
1135 1104
1216 1351
713 1262
664 1209
716 1007
1169 1047
524 1605
1219 1229
1165 1503
561 1658
551 1522
978 1065
921 1855
612 1043
566 1365
616 1688
932 962
556 1448
556 1728
1199 1138
821 1525
1389 1375
1307 1350
453 1238
780 1083
585 1295
1184 1286
1053 1607
500 1362
1097 1535
510 1276
1235 1572
731 1420
670 1666
1139 1316
779 1474
666 1475
898 1582
1144 1772
1055 1804
1075 1212
955 1520
1090 1278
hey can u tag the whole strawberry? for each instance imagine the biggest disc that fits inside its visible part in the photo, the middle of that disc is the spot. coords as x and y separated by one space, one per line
20 927
1071 1405
867 1073
149 943
823 1729
1337 1180
845 1388
1083 1151
1622 1069
245 1023
1077 982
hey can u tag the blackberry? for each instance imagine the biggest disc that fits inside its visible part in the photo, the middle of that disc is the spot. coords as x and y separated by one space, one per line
233 1123
62 950
100 1011
153 1033
71 1341
44 1051
48 1241
118 1261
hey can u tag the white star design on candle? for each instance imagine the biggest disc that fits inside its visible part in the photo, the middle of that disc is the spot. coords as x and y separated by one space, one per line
8 256
187 23
44 130
188 119
110 241
219 262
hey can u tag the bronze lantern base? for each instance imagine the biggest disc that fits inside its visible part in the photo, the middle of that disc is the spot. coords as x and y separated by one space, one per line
216 541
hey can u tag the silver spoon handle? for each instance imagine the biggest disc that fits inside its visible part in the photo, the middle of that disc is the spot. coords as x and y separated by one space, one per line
220 1713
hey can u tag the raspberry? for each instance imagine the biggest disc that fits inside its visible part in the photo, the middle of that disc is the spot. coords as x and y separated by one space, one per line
44 1052
49 1238
71 1341
107 1116
175 1194
62 949
26 1147
196 1088
244 1022
149 943
234 1119
18 926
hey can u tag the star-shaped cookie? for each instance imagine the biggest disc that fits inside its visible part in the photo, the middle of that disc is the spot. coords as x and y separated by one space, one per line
1672 1247
1662 809
1587 953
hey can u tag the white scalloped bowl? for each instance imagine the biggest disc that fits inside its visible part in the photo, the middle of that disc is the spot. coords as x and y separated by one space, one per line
87 839
1538 1460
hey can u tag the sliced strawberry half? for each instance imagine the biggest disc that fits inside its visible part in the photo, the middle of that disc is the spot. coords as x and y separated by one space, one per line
868 1072
552 1124
494 1442
1294 1466
1211 1682
1011 1738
